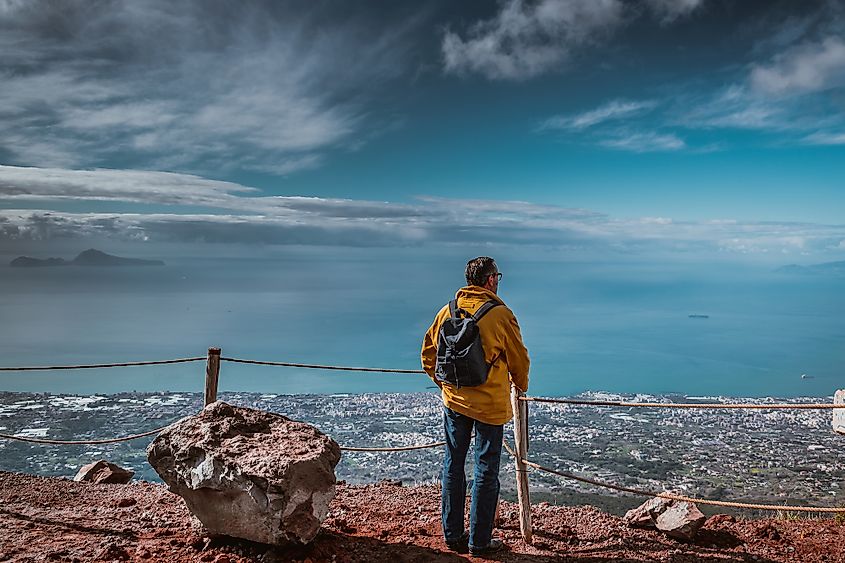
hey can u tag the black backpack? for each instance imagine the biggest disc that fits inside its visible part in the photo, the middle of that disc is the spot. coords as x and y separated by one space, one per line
460 356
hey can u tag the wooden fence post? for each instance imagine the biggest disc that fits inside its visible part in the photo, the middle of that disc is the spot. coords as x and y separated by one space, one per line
839 414
520 437
212 373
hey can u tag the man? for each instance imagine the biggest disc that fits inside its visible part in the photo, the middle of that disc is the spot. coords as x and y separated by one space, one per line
485 408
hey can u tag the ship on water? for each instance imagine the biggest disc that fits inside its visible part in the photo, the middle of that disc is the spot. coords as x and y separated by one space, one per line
697 316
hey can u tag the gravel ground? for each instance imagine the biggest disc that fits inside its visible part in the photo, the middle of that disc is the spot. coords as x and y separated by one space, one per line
52 519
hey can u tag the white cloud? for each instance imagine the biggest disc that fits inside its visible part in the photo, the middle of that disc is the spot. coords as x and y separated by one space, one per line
810 67
524 40
614 110
645 142
134 186
825 139
231 213
189 85
734 107
670 10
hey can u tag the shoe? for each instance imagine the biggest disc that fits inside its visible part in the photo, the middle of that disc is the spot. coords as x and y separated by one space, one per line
460 545
492 547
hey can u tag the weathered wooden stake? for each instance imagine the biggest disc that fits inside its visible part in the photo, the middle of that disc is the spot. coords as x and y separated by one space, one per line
520 437
839 414
212 373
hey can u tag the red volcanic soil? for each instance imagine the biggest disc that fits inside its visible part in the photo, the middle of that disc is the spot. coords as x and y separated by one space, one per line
52 519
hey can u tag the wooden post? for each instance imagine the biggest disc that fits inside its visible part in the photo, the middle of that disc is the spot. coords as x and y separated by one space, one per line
212 373
839 414
520 437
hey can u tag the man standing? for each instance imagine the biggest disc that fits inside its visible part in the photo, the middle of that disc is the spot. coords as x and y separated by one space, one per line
485 407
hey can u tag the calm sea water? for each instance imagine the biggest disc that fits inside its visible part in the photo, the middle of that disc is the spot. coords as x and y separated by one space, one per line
614 327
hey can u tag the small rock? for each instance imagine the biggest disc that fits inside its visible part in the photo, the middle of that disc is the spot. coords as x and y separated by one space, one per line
102 471
124 502
681 520
645 515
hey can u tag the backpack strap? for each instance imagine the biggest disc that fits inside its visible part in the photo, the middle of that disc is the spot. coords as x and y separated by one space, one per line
453 308
484 308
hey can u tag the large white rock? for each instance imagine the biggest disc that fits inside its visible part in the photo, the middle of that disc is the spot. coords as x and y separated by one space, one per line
248 473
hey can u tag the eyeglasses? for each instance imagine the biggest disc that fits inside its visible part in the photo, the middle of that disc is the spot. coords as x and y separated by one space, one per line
498 276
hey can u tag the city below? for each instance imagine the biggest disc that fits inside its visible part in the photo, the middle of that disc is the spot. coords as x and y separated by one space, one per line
771 456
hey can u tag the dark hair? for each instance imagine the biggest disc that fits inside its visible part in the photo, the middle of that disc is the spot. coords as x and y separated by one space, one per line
478 269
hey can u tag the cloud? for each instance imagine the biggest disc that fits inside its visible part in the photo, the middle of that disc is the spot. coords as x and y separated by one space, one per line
645 142
734 107
524 40
614 110
670 10
128 186
825 139
192 85
792 87
809 67
224 212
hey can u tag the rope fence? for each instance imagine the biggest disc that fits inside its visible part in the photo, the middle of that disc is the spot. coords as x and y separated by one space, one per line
519 403
397 449
93 366
671 496
317 366
759 406
81 442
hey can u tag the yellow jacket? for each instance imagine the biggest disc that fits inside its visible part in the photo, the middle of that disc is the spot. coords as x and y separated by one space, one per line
500 337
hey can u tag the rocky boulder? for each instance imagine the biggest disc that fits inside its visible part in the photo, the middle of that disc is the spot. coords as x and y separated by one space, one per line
678 519
102 471
248 473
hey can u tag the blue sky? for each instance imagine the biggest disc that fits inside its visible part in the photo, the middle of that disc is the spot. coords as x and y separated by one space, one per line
591 127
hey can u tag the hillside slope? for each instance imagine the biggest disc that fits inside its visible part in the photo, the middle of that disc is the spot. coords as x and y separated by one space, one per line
45 518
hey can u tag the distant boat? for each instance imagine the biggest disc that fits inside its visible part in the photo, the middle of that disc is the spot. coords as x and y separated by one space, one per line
805 376
699 316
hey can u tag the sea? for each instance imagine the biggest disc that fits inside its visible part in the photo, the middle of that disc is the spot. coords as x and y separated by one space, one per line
622 326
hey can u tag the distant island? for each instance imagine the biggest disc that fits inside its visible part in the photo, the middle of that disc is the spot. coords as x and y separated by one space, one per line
826 268
90 257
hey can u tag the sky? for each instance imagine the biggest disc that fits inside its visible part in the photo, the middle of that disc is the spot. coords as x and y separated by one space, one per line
581 128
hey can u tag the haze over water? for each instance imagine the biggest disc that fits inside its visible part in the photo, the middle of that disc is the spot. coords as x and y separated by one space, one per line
619 327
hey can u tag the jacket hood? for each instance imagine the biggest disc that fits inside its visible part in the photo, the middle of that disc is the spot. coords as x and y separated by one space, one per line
477 293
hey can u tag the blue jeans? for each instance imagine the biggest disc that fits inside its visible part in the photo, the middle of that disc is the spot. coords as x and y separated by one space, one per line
485 483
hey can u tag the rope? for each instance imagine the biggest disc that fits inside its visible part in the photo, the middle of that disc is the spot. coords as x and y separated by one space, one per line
688 405
80 442
402 449
316 366
671 496
89 366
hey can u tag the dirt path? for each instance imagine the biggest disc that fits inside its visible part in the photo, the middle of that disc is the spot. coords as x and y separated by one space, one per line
50 519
